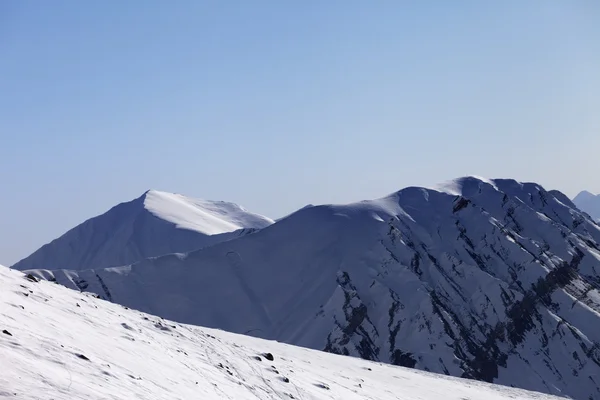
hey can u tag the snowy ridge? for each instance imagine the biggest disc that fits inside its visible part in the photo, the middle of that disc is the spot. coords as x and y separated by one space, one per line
154 224
455 186
203 216
494 280
59 344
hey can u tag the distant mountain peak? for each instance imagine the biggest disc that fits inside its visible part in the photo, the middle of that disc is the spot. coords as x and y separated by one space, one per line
584 195
588 202
151 225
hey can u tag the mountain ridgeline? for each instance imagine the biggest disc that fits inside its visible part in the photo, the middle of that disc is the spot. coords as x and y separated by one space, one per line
493 280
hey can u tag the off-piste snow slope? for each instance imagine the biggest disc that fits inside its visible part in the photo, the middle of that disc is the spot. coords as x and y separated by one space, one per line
154 224
490 280
588 202
59 344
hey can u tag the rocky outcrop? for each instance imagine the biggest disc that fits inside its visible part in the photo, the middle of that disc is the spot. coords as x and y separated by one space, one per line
354 332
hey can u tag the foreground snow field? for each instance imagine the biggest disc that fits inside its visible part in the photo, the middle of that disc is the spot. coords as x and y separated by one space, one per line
57 343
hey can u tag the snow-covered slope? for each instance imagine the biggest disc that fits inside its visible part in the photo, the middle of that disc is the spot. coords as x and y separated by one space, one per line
59 344
491 280
588 202
154 224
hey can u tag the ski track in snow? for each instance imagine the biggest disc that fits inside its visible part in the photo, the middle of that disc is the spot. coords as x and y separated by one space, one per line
61 344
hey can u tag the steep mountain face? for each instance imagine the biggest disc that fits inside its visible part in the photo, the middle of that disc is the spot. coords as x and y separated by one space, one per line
58 344
588 202
490 280
154 224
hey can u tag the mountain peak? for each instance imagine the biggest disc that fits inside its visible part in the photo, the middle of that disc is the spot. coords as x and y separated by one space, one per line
151 225
588 202
584 195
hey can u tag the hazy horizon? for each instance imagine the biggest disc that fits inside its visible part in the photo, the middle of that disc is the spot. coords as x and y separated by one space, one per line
274 106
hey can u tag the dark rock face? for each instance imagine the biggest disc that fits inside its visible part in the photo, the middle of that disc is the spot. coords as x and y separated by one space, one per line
357 331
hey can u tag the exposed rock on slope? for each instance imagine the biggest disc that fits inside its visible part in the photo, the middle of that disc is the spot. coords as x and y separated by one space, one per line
154 224
490 280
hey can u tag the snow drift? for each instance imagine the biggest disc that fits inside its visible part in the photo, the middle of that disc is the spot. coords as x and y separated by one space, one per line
154 224
59 344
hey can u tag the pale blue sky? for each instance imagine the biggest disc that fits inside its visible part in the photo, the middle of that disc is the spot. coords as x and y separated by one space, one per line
276 104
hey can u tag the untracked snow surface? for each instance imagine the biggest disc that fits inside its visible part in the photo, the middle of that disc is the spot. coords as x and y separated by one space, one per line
60 344
154 224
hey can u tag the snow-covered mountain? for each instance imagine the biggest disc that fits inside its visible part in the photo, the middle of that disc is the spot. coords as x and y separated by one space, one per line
154 224
59 344
491 280
588 202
